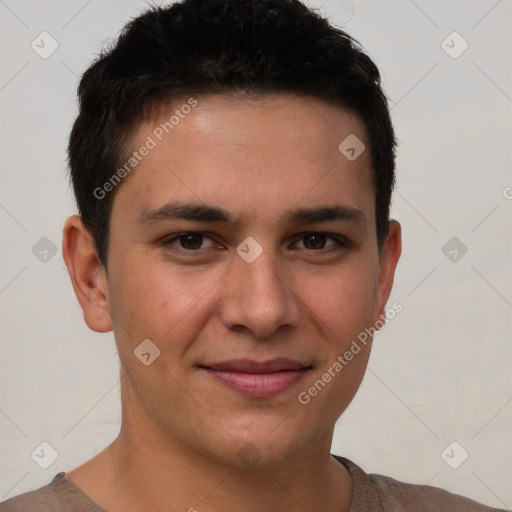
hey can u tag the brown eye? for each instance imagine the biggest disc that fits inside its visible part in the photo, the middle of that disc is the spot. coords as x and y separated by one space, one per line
191 241
320 242
314 241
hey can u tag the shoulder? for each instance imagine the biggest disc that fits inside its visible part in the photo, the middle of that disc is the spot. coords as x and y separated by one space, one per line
59 495
421 498
44 499
385 494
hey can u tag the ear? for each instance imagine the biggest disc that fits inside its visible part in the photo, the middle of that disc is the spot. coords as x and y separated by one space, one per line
87 274
388 259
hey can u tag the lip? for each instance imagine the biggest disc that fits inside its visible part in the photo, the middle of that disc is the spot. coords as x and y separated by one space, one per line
257 379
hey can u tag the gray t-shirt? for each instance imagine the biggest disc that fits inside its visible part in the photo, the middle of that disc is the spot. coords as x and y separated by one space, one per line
370 493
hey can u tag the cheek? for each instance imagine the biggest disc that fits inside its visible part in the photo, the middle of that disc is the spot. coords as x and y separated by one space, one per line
344 301
342 311
153 300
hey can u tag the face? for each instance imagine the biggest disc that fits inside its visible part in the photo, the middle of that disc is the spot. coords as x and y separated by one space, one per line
243 245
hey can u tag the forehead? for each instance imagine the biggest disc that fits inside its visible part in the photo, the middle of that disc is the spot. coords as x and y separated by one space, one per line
249 151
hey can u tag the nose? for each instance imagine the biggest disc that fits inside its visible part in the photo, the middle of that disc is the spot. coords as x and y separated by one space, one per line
257 299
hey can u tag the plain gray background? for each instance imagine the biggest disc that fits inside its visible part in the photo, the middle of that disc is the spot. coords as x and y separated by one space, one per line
440 370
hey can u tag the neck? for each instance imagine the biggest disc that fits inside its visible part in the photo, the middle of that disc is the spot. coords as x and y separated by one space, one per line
191 482
155 472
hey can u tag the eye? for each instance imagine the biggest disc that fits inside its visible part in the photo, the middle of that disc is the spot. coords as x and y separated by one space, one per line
318 241
190 241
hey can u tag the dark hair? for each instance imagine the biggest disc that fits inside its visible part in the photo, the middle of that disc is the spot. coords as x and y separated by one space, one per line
219 46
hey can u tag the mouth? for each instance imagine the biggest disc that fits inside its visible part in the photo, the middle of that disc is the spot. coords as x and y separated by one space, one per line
257 379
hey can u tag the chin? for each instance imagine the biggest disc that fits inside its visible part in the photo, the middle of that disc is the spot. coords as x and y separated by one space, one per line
263 446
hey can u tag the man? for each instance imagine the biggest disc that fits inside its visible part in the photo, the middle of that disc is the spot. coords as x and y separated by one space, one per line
233 164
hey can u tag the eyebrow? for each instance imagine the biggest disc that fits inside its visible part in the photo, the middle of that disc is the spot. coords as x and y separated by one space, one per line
206 213
325 214
186 211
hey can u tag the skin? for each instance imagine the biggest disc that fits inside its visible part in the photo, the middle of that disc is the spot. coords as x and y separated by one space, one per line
183 433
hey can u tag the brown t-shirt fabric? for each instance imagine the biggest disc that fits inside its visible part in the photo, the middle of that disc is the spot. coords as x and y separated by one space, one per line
370 493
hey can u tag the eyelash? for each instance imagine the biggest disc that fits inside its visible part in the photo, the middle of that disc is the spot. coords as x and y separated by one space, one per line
339 240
